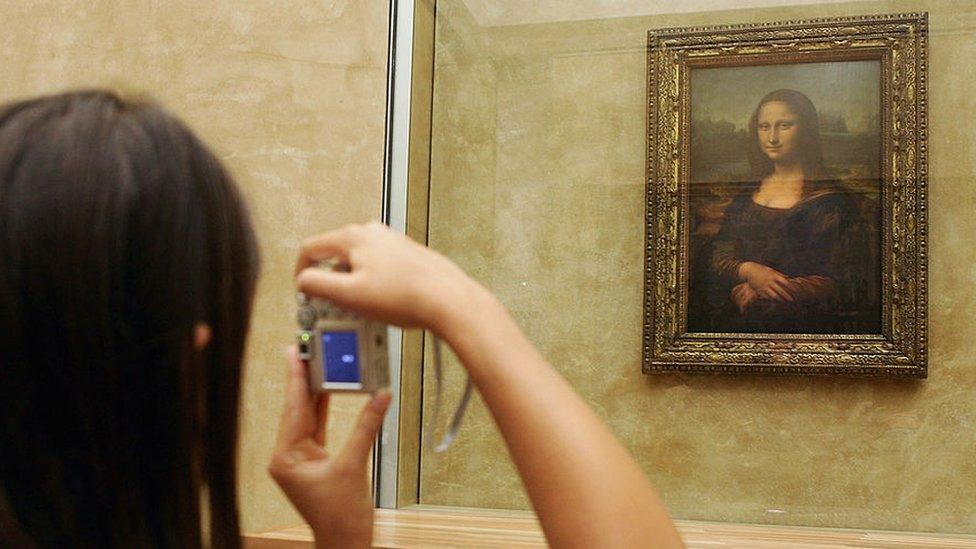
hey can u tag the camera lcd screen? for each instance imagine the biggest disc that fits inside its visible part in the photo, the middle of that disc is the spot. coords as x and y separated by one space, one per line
340 352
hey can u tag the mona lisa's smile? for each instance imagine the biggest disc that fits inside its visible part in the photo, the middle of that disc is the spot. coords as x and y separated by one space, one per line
778 131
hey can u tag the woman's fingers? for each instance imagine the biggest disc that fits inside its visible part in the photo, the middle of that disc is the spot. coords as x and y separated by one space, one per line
773 285
739 297
327 246
360 442
300 418
776 294
780 287
336 286
743 295
772 292
746 297
321 418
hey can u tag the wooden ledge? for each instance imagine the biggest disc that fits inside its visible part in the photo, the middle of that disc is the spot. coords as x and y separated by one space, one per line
425 526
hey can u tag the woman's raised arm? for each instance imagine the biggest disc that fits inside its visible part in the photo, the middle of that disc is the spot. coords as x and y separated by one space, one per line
585 487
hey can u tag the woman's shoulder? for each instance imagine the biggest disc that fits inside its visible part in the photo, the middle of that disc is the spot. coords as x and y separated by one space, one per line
827 205
829 195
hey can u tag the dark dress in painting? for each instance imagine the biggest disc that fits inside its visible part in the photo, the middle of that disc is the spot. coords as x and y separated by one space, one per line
822 244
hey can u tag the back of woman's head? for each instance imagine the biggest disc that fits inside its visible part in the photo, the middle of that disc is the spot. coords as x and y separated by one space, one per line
119 234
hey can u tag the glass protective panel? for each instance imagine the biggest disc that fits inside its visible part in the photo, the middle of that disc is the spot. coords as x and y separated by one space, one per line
538 166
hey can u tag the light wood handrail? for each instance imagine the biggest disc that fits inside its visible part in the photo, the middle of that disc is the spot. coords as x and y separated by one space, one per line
432 527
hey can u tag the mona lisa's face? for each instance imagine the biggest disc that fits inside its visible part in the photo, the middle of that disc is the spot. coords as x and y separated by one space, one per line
778 128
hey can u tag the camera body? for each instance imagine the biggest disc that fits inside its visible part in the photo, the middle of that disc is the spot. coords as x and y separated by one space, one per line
344 352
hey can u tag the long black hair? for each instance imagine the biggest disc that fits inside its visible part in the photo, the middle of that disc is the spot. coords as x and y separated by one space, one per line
809 145
119 233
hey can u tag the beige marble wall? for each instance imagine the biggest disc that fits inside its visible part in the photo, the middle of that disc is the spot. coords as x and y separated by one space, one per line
290 94
537 189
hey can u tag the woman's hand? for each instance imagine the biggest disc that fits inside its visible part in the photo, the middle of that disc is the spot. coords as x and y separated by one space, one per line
743 296
816 289
766 281
563 451
390 278
330 492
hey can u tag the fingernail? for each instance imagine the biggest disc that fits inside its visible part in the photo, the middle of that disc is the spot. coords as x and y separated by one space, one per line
381 400
295 364
302 276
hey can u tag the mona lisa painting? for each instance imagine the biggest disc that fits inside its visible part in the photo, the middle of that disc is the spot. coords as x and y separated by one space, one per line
786 198
784 220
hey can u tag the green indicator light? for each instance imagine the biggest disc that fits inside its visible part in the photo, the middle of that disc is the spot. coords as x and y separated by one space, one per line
305 337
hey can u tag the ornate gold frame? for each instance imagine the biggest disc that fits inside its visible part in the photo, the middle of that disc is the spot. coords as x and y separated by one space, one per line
899 42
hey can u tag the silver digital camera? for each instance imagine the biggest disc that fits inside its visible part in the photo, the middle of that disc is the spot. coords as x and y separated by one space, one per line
344 352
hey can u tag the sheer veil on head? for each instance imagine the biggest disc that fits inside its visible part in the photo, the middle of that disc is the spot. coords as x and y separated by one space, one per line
809 144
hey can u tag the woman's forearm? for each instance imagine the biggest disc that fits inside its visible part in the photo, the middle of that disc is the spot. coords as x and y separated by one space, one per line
724 261
586 488
814 289
745 269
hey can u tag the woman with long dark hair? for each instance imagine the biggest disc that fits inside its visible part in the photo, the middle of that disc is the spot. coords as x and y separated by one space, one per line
784 260
121 327
127 273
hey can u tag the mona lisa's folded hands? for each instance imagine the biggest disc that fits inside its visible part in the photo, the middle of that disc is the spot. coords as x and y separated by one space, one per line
744 296
331 492
766 281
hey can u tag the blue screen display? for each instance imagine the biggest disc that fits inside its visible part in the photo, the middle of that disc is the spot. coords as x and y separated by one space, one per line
340 352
